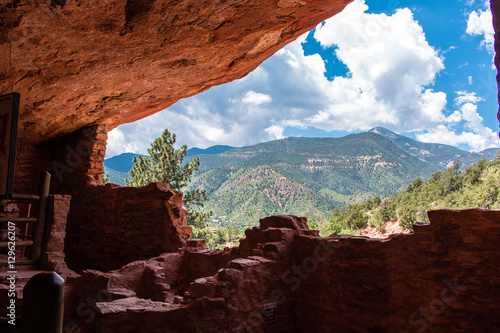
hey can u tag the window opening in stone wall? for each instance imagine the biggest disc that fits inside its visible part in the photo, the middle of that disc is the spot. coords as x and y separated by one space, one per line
382 98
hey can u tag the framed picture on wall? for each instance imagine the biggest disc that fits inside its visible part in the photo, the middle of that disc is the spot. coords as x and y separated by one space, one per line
9 115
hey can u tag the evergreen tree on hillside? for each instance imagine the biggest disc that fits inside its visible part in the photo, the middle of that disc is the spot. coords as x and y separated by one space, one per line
166 164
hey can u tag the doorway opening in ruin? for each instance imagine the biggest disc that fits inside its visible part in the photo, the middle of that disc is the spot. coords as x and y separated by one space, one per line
425 74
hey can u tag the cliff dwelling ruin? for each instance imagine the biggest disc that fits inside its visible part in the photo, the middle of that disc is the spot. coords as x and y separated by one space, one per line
84 67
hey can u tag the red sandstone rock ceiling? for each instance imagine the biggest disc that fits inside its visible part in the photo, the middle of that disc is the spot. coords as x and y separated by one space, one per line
117 61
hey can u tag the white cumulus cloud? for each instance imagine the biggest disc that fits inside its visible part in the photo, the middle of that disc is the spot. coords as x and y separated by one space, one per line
464 97
480 23
118 143
475 134
392 68
252 97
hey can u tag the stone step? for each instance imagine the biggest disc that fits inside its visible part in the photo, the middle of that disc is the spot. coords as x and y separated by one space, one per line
206 286
277 247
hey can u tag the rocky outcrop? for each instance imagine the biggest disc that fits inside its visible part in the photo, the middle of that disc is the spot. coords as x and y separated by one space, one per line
116 61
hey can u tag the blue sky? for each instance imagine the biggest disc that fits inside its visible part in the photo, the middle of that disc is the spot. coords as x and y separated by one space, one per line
420 68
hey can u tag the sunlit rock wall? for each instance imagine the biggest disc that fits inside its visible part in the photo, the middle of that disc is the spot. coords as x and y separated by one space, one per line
495 9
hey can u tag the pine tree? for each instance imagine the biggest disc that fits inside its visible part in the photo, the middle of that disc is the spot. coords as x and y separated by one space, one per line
166 164
105 176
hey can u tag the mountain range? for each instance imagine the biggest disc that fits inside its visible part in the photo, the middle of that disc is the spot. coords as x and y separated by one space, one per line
309 176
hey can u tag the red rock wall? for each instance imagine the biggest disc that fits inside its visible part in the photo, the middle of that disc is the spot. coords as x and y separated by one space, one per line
116 61
76 160
73 160
444 278
30 163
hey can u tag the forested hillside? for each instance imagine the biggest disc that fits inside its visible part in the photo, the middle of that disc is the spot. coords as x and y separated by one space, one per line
303 176
248 194
476 186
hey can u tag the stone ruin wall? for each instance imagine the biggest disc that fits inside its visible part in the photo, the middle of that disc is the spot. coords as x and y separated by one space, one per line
109 225
442 278
407 283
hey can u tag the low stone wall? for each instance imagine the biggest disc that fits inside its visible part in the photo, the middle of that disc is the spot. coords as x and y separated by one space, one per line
443 278
53 256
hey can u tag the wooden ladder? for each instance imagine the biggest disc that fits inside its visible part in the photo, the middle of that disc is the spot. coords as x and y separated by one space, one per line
33 227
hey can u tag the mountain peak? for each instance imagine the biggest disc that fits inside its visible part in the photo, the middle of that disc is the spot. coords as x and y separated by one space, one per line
217 149
437 154
379 129
382 131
